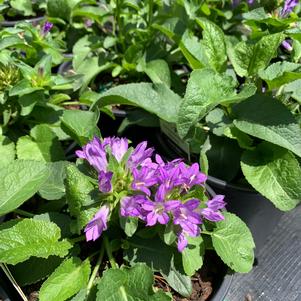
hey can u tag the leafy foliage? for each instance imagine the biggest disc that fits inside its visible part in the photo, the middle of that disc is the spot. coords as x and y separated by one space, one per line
31 237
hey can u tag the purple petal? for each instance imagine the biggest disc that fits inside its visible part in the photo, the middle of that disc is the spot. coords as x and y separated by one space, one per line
104 181
163 218
287 45
98 224
216 203
151 219
119 147
214 216
172 205
192 204
182 242
46 28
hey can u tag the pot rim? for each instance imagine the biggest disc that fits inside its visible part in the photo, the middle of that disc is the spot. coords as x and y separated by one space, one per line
4 294
223 289
224 185
13 23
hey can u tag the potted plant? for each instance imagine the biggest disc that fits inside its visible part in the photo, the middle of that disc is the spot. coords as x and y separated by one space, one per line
126 223
237 106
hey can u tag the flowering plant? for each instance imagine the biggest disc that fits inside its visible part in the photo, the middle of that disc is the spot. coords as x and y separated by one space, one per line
145 214
154 192
241 96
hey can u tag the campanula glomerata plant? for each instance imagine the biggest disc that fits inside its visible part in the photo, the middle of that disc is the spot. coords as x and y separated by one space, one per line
154 192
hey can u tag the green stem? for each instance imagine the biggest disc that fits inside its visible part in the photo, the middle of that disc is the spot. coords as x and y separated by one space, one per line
109 253
13 281
24 213
95 270
150 12
67 103
119 23
77 239
206 232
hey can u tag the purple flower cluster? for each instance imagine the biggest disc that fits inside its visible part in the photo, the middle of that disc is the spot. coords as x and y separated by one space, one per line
158 192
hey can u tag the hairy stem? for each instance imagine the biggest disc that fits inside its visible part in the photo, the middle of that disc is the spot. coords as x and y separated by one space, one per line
95 270
109 253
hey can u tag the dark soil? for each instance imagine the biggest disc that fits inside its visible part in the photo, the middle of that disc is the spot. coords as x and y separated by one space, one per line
205 282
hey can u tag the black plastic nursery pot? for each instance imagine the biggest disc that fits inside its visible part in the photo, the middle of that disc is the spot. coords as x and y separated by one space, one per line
255 210
3 295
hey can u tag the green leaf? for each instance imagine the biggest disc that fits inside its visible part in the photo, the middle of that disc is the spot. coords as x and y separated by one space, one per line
7 151
192 256
205 90
25 6
39 269
129 225
90 67
54 188
155 98
129 284
152 251
193 50
158 72
61 220
295 89
248 59
20 181
80 125
172 28
268 119
280 73
30 237
233 242
28 101
68 279
180 282
214 44
169 235
275 173
59 9
43 145
23 87
79 195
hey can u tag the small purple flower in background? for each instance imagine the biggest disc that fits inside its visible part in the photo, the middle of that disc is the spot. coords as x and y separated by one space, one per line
287 45
88 23
98 224
104 181
237 2
46 28
140 154
288 7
